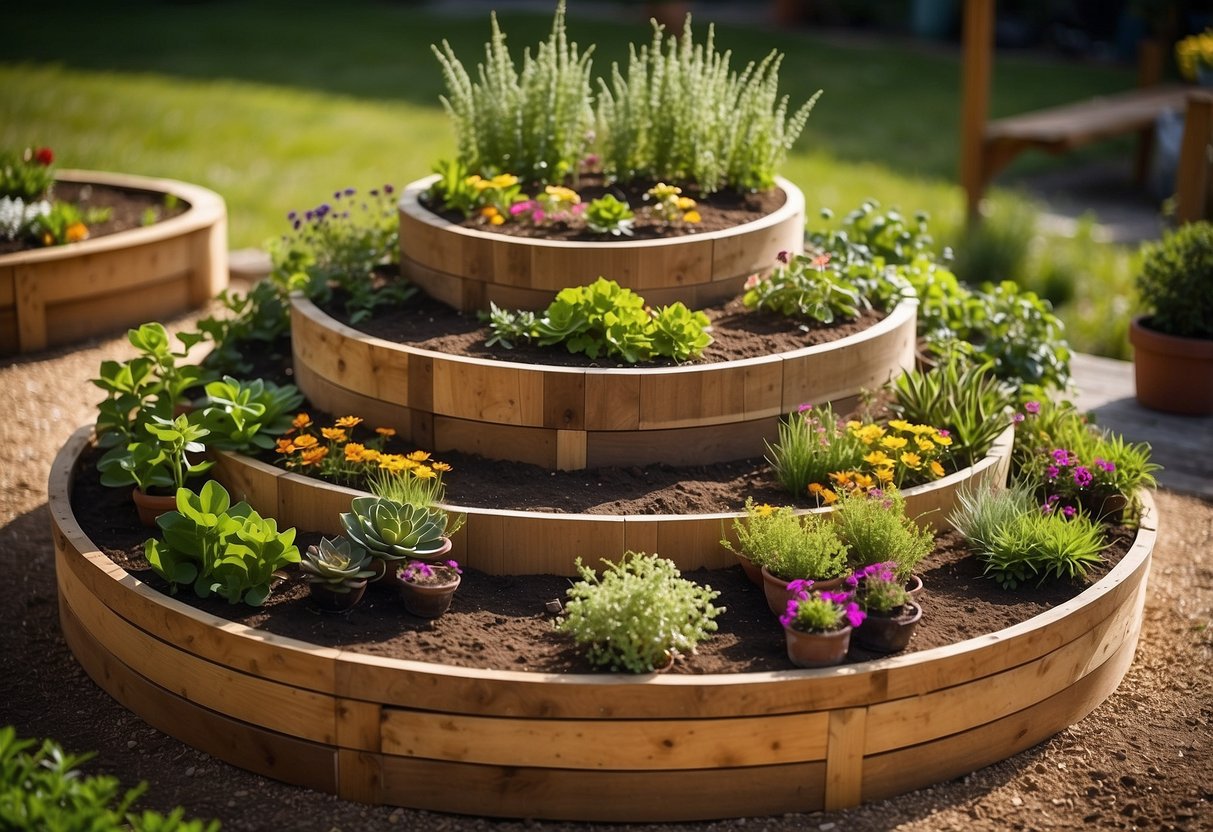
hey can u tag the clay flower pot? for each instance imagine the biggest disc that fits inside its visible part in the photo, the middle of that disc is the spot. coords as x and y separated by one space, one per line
888 632
1174 375
386 571
776 590
429 596
752 570
329 600
816 649
151 506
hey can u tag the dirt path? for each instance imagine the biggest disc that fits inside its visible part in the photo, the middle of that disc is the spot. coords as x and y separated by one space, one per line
1142 760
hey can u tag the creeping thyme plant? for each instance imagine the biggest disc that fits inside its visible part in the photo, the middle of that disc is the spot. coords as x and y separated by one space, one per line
638 613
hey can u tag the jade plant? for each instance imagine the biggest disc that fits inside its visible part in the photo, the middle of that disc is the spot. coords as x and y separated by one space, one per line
336 564
247 415
220 548
160 457
638 613
391 531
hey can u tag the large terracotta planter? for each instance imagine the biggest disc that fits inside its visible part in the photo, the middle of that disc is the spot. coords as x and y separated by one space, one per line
468 268
58 295
1174 375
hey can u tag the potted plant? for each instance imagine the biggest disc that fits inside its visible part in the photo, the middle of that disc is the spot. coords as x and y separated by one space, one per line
391 532
892 615
336 573
874 528
1173 341
157 460
638 614
817 625
427 588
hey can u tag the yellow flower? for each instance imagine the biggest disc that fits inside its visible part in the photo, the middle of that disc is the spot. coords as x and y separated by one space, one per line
369 455
691 216
424 472
392 463
854 425
333 434
285 446
685 203
925 445
419 456
349 421
884 474
503 180
941 439
302 421
829 497
386 433
661 190
563 194
489 211
864 481
442 467
911 460
894 443
354 452
306 441
314 455
936 468
900 424
842 478
764 510
496 219
877 457
76 232
869 434
476 181
816 488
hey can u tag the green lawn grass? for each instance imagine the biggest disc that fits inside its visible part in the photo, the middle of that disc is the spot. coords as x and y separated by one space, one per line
275 105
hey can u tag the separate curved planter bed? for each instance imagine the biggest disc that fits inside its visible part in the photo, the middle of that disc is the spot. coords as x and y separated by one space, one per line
503 542
577 417
57 295
601 747
467 267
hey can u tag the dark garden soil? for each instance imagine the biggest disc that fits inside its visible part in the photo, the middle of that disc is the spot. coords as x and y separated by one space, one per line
718 211
128 209
500 622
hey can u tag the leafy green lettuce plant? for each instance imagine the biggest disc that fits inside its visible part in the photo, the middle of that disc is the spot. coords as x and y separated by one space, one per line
637 613
229 550
609 215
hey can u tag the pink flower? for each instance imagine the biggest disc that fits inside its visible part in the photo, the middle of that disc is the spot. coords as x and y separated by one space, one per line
521 207
1032 407
751 281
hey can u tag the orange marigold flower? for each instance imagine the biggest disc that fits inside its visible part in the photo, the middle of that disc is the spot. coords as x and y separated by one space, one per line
306 441
349 421
354 452
936 468
387 433
884 474
333 434
816 488
314 455
302 421
496 219
864 481
419 456
285 446
829 497
441 466
76 232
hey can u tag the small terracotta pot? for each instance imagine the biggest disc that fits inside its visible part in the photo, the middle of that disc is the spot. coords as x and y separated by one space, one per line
807 649
1174 375
888 633
151 506
385 570
329 600
752 570
914 586
428 600
776 590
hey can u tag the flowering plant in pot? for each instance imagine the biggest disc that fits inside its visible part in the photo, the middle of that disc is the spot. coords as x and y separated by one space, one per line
391 532
892 616
336 572
427 588
817 625
1173 340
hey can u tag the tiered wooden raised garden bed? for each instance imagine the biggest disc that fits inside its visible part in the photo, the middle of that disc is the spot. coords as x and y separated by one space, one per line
467 268
503 542
57 295
597 747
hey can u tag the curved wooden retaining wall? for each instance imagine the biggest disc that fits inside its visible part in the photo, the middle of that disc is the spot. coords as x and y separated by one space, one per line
575 417
467 268
57 295
503 542
601 747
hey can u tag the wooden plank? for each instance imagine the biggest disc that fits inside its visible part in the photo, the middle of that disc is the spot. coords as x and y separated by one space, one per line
488 391
358 724
692 397
442 287
563 399
250 747
680 446
208 274
1192 175
340 354
621 796
609 745
8 331
312 505
74 320
680 263
763 385
336 399
359 777
31 310
1082 122
754 252
8 293
844 758
484 542
548 544
248 479
512 268
555 266
570 450
978 43
104 273
612 400
694 543
512 442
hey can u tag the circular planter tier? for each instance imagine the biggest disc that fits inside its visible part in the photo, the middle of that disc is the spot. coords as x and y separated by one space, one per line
502 542
569 418
600 747
467 268
57 295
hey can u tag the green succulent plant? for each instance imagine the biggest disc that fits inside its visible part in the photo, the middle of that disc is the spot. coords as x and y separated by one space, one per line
337 564
394 531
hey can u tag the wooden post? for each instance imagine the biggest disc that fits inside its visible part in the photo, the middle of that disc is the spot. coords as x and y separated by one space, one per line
975 104
1192 178
1149 72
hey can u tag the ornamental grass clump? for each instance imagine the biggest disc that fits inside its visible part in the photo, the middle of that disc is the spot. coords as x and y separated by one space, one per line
678 112
638 614
534 122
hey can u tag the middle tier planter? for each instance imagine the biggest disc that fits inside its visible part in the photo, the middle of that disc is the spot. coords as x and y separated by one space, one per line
570 418
505 542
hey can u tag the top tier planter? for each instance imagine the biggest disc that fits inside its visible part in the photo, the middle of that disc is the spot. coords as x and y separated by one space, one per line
467 268
61 294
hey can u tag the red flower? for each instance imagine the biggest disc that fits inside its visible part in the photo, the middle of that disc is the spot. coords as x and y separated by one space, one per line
44 156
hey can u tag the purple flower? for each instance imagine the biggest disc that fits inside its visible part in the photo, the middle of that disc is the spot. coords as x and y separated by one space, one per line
374 192
453 564
1083 476
1032 407
839 598
1061 456
1068 511
350 192
944 433
804 407
521 207
292 215
1047 508
297 224
1017 418
1052 471
800 588
389 190
789 615
851 581
854 614
336 194
1105 465
782 257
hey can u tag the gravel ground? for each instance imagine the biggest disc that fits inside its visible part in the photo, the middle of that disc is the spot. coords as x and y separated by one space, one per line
1142 760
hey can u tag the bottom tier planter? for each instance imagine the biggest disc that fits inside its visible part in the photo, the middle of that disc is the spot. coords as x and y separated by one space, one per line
594 747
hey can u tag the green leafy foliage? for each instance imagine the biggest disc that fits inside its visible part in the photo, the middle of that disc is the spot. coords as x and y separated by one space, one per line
679 113
607 319
790 546
874 528
246 415
229 550
535 122
982 510
26 175
637 612
454 188
160 459
394 531
1176 281
252 323
812 444
45 789
609 215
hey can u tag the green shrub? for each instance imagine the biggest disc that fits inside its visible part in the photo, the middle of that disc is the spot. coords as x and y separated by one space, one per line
637 612
808 288
245 415
27 175
874 528
1043 546
1176 281
789 545
983 510
45 789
